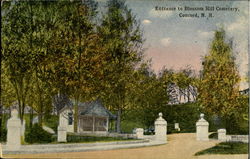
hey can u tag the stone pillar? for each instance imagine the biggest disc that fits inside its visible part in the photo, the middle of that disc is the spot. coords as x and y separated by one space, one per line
139 133
222 134
202 129
161 129
176 126
14 131
1 152
61 134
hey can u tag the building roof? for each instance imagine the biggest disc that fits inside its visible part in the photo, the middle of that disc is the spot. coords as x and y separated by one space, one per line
92 108
95 108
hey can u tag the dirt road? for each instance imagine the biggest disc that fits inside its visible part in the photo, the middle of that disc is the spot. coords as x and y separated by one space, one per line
179 146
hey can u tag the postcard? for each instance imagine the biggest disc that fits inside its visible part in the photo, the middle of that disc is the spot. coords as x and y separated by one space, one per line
124 79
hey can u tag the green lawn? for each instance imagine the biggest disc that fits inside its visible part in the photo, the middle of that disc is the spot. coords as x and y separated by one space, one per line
226 148
83 138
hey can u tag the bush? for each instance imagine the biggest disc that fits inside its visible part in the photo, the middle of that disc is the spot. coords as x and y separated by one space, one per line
36 134
185 114
3 135
82 138
52 122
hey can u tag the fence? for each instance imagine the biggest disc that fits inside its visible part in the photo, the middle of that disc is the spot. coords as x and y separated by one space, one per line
237 138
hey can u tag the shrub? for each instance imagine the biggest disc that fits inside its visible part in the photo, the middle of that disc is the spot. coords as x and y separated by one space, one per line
185 114
3 135
82 138
52 122
36 134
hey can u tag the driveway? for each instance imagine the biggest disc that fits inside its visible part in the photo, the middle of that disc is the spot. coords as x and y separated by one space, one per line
179 146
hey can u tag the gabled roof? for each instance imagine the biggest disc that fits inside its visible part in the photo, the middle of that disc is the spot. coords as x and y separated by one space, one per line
91 108
95 108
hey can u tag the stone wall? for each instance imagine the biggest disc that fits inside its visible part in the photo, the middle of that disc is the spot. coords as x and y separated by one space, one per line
126 136
237 138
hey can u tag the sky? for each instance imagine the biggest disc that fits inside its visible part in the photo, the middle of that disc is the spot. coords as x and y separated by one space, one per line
176 42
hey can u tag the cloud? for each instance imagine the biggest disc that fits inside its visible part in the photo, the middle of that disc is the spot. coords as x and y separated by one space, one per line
160 14
239 24
166 41
238 31
146 22
205 34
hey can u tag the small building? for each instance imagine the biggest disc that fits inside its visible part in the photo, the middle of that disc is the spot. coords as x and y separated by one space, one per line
93 117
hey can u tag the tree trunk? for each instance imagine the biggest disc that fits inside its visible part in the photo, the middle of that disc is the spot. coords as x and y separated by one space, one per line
118 121
40 119
1 114
31 117
188 94
75 115
22 113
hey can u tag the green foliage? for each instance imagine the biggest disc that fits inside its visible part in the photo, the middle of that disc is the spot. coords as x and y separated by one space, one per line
52 121
3 129
146 96
129 123
3 135
82 138
226 148
219 85
55 47
50 47
36 134
184 114
122 38
17 53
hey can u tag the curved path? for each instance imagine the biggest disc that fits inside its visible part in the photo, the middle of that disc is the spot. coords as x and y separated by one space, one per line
179 146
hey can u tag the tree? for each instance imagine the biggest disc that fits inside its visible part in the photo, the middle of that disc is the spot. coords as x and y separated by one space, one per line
7 91
153 95
186 81
167 76
219 85
79 70
122 37
44 18
17 54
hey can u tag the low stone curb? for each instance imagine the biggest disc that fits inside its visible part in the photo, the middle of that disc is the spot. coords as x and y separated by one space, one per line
54 148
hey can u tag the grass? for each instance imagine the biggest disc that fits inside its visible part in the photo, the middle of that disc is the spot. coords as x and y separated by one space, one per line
83 139
226 148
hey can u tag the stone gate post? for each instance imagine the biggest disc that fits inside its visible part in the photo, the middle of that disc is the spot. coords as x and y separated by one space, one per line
222 134
14 131
61 134
161 129
139 133
202 129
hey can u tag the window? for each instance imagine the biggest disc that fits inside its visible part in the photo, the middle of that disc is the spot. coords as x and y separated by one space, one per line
70 118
